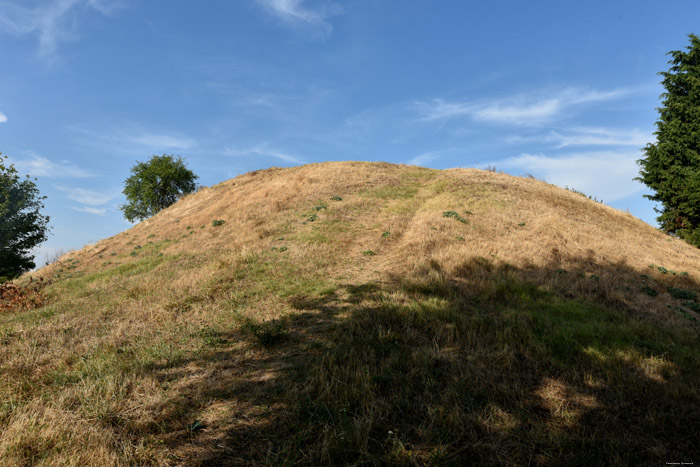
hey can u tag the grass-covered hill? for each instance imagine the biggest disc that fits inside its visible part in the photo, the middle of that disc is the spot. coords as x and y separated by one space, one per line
361 313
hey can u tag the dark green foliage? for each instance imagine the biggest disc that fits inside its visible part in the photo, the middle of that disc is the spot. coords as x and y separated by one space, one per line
454 215
22 226
336 198
682 293
671 166
649 291
217 222
269 332
155 185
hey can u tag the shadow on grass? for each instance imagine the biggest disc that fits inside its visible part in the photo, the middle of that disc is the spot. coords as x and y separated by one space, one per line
480 365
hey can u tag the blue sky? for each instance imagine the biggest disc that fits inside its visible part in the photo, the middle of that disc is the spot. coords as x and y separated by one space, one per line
565 91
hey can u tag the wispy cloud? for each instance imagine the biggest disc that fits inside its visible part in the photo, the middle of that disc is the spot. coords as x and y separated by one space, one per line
584 136
422 159
86 197
134 140
294 13
264 151
39 166
161 140
3 117
604 174
587 136
98 211
52 22
517 110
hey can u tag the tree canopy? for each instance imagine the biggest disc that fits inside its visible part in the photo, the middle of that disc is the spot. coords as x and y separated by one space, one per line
155 185
22 226
671 166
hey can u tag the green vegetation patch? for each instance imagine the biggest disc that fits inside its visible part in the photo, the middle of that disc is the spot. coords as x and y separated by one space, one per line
404 191
401 379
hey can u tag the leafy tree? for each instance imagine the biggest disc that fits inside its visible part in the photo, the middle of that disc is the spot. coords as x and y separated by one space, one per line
155 185
671 166
22 226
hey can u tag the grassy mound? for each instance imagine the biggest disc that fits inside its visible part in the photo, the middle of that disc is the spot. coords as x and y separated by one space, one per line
350 313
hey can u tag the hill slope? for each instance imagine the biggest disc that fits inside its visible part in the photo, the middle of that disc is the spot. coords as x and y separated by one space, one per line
343 313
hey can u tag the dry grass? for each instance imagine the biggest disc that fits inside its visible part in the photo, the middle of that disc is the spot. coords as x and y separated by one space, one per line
539 329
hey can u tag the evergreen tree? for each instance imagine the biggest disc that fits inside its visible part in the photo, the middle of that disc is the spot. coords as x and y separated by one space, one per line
671 166
155 185
22 226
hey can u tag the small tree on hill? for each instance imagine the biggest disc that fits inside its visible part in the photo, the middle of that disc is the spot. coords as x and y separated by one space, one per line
22 226
671 166
155 185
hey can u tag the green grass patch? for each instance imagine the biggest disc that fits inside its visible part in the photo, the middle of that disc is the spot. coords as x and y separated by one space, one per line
404 191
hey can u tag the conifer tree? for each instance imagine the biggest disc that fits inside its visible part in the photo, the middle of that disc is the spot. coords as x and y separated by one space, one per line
671 166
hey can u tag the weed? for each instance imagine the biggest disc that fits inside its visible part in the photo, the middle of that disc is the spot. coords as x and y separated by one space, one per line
460 239
321 206
592 198
521 224
684 313
386 234
268 332
312 218
217 222
595 277
283 249
682 293
151 236
113 253
468 212
454 215
336 198
693 306
195 426
369 253
649 291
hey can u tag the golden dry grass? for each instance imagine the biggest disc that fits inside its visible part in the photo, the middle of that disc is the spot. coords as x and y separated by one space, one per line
287 333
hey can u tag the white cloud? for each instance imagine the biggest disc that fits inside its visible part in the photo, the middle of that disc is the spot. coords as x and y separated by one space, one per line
3 117
517 110
86 197
600 137
97 211
606 175
161 141
263 150
587 136
39 166
50 22
133 140
293 12
422 159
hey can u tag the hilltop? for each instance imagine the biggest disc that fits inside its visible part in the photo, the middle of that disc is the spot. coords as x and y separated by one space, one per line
350 312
